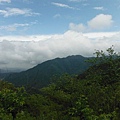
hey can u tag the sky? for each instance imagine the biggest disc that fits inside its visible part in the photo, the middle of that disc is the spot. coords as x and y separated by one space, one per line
33 31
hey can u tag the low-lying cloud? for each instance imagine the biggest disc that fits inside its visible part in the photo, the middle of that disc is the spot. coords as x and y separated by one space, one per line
29 51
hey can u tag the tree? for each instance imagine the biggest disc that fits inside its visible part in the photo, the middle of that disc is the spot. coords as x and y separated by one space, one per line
106 66
12 101
105 56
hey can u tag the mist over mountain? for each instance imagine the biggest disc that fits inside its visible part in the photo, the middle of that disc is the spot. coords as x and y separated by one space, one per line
42 74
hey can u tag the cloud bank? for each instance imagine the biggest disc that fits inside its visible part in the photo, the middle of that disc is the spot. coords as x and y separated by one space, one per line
28 51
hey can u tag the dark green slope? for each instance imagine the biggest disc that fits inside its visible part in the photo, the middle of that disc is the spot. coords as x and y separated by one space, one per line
3 75
41 74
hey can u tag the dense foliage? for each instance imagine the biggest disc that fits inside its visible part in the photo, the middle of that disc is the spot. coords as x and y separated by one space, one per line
92 95
40 75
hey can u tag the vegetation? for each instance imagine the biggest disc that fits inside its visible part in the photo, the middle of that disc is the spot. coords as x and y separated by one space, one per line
92 95
40 75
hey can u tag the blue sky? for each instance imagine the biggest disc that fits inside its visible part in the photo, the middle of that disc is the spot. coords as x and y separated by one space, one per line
29 17
33 31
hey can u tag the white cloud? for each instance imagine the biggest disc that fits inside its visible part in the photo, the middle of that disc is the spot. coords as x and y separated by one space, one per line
98 8
77 27
57 16
100 35
8 1
62 5
17 27
77 0
34 38
101 21
16 11
13 27
27 51
27 1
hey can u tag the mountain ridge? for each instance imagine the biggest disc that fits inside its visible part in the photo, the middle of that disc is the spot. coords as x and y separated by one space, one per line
41 74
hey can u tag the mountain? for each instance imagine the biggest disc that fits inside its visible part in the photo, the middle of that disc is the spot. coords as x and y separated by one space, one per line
4 75
42 74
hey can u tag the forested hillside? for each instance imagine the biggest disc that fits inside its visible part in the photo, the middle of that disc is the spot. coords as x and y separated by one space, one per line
41 74
91 95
